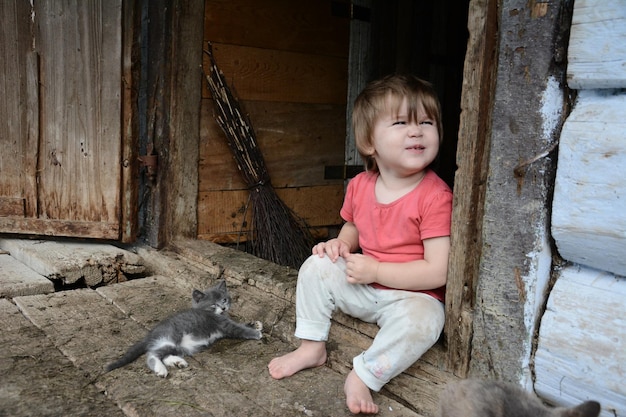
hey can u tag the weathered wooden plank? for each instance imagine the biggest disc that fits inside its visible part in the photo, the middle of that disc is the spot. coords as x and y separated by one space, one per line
574 348
307 27
80 105
588 216
71 261
130 126
17 279
37 380
12 206
469 184
180 178
274 75
230 379
51 227
597 45
106 333
297 141
18 108
419 386
222 212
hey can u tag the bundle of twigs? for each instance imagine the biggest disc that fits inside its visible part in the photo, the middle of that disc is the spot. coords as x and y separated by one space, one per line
277 233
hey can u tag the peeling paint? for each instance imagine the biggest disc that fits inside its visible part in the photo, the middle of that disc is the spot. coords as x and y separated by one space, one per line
536 283
551 107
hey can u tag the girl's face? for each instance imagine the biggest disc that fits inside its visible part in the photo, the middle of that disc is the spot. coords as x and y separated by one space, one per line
404 147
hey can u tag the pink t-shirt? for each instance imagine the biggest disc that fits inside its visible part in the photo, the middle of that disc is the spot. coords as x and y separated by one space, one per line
395 232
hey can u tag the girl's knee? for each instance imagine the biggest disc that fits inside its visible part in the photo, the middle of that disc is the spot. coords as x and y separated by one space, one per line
321 268
422 319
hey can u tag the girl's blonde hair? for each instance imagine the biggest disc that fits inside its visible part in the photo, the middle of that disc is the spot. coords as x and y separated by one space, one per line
386 95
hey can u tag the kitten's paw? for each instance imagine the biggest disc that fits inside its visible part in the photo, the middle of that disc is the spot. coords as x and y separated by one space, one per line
160 370
176 361
259 327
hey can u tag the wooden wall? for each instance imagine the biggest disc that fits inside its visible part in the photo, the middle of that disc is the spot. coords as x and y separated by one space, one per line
288 64
581 350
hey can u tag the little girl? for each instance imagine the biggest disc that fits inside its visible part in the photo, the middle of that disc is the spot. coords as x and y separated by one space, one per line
388 264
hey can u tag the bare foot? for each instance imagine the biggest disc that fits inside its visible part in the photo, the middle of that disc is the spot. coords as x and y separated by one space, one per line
310 354
358 396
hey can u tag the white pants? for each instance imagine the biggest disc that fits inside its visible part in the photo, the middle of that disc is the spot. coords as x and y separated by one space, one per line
410 322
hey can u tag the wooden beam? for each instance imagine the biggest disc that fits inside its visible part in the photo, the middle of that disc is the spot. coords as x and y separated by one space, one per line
469 183
181 185
131 29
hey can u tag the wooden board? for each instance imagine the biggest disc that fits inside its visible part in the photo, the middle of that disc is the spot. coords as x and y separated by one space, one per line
17 279
221 213
229 379
588 216
60 119
37 379
80 132
419 386
470 185
297 142
581 352
70 261
274 75
19 111
309 27
287 63
597 45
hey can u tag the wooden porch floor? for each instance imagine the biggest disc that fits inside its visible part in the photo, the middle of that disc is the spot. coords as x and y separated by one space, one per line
53 347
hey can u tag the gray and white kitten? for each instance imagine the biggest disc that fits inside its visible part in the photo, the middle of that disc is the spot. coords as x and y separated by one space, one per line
477 398
189 331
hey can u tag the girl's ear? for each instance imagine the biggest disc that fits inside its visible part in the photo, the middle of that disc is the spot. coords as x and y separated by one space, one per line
369 150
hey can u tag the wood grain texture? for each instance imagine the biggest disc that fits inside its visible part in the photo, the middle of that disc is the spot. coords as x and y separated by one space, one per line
287 63
597 46
304 26
80 134
588 216
284 76
297 141
469 185
583 356
222 215
19 117
181 178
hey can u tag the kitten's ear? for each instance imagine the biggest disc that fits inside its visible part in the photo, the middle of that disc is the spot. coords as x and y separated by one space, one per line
586 409
197 295
221 285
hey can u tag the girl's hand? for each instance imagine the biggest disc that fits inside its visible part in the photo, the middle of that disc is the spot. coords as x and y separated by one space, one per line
361 269
334 248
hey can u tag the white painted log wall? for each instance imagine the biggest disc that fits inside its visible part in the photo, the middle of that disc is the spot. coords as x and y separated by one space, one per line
597 45
582 341
581 350
589 206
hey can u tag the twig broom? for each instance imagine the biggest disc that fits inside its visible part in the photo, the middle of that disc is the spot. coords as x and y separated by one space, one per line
277 234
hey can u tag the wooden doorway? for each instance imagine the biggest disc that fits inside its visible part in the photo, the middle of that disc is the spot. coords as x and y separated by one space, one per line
64 119
454 46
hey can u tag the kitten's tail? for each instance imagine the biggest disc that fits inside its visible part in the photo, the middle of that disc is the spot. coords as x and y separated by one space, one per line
131 355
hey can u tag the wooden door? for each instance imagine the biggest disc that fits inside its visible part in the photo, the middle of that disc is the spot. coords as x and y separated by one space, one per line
61 135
